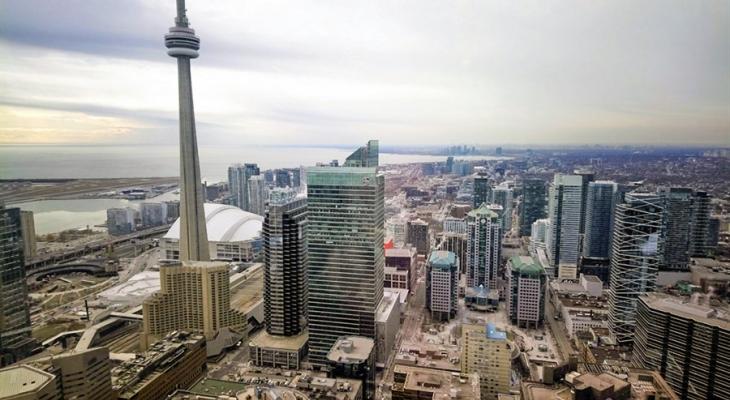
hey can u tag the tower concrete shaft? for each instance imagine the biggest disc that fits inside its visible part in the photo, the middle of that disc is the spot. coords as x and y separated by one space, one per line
182 44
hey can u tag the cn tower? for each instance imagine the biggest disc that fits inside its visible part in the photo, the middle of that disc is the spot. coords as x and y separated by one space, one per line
182 44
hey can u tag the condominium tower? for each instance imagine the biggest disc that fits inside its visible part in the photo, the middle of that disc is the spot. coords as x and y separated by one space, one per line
482 190
635 259
532 207
238 176
484 242
503 195
285 274
565 205
687 341
600 200
346 255
257 194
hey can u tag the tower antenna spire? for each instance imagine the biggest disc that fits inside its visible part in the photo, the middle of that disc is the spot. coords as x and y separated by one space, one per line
182 44
182 19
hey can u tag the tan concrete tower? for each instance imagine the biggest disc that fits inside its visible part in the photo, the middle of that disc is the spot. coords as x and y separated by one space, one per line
182 44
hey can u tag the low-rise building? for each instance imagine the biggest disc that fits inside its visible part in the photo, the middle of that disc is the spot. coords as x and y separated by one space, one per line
417 383
177 361
387 325
85 374
23 382
353 357
399 271
275 351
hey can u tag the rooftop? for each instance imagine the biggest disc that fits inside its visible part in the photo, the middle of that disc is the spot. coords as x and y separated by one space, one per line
351 350
266 341
386 306
483 211
225 224
442 384
131 375
20 379
399 253
713 314
442 258
494 334
526 265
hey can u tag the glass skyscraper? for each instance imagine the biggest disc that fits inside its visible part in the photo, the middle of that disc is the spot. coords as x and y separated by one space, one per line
285 276
346 255
238 176
482 190
534 202
563 238
600 201
15 329
635 259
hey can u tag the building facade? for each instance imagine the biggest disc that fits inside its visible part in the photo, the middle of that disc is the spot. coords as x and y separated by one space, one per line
238 176
635 259
485 351
27 227
285 274
482 190
503 195
15 329
418 236
346 256
484 244
175 361
688 342
442 283
454 225
565 205
193 296
258 194
533 204
85 374
526 285
120 221
153 214
600 201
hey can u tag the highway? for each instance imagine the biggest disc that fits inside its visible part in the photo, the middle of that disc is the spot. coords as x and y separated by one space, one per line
90 248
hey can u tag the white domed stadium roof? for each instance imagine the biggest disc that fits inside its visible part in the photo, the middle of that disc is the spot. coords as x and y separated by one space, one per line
225 224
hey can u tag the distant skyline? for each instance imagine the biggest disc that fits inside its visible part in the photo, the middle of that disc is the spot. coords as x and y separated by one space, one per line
417 72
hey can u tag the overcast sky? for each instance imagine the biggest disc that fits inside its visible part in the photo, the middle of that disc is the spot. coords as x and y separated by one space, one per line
340 72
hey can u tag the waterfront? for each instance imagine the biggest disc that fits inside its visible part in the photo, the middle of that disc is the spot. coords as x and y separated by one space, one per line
52 216
57 161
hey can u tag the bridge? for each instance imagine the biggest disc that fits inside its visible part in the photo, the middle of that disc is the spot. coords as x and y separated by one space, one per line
78 252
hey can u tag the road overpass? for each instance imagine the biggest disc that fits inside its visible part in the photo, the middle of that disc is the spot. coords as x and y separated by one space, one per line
90 248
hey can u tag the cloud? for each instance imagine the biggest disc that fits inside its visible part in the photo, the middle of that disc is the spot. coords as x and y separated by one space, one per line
414 71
